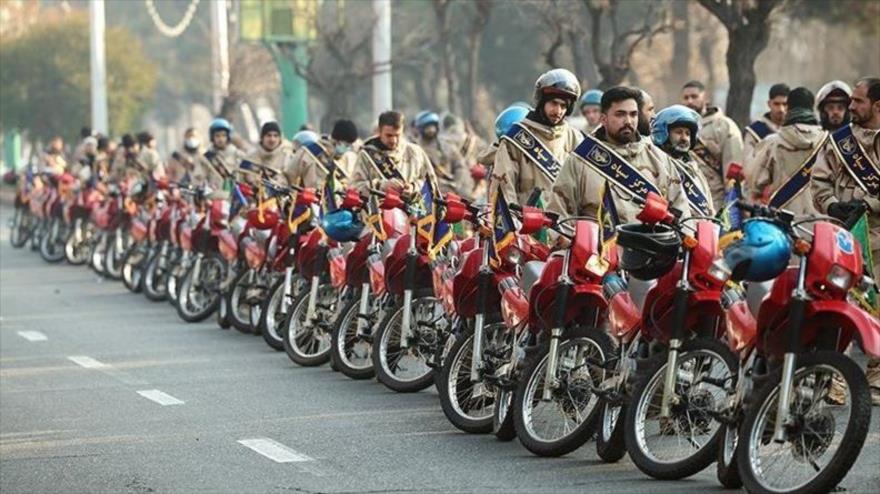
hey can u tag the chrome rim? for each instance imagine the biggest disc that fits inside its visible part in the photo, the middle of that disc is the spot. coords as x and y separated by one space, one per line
572 401
310 339
409 364
354 351
690 426
812 443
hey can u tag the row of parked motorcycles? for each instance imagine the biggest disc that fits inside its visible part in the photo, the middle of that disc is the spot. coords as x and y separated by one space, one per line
662 339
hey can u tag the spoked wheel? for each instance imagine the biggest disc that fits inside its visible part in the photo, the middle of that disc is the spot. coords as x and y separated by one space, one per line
156 275
726 468
610 444
53 241
20 229
114 255
76 249
685 442
307 341
561 424
503 424
200 296
272 316
133 266
238 303
97 253
406 370
469 404
353 352
823 436
179 262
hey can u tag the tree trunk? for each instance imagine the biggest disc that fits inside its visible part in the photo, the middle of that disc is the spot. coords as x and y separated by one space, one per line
584 65
745 44
475 41
441 8
681 47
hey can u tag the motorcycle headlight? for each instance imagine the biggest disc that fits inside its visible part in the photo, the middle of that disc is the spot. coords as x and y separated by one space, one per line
866 283
840 277
513 256
719 270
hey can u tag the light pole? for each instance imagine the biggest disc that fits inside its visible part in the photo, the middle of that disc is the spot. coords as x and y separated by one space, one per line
382 95
98 67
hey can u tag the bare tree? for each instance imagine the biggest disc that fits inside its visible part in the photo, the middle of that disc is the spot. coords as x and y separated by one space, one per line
748 25
444 38
615 64
681 47
482 10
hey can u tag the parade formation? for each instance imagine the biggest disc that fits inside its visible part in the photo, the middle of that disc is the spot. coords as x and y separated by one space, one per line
662 283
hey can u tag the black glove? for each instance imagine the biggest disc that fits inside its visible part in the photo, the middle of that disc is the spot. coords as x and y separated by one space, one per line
844 210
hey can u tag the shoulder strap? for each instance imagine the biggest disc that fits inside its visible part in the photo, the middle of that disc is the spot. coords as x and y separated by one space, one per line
523 139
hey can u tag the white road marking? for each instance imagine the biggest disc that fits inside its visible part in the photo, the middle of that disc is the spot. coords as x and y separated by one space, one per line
32 335
159 397
87 362
274 450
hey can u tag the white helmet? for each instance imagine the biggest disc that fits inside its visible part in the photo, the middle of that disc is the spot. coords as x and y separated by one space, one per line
834 87
559 83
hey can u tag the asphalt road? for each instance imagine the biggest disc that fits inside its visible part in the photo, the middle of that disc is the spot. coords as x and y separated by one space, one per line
104 391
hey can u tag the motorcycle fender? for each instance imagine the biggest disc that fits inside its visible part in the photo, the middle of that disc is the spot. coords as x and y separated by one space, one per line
852 319
706 296
228 245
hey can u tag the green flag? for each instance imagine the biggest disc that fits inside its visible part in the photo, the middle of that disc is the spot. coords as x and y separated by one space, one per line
861 232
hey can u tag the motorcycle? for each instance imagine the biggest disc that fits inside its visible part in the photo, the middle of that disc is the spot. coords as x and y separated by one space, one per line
406 340
807 418
23 222
82 231
351 341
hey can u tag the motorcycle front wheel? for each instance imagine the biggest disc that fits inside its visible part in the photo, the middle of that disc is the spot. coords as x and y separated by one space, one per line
824 435
567 420
686 441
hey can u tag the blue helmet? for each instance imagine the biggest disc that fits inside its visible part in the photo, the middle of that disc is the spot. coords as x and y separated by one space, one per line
342 225
761 254
508 117
305 137
426 118
672 116
591 97
220 124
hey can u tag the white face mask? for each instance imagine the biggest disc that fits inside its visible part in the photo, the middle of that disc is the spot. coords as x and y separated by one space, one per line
342 148
192 143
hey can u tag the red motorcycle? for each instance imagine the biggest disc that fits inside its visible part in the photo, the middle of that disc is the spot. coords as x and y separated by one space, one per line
207 275
364 276
23 224
808 417
555 403
82 231
57 195
668 376
406 340
491 313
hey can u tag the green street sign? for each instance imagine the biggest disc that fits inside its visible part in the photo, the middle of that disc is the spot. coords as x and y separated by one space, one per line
276 21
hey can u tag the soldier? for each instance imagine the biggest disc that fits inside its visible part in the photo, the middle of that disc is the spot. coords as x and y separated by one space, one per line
530 154
149 158
768 124
585 178
590 109
444 161
311 162
675 130
781 159
221 158
719 144
854 151
271 155
646 114
387 160
183 162
832 101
